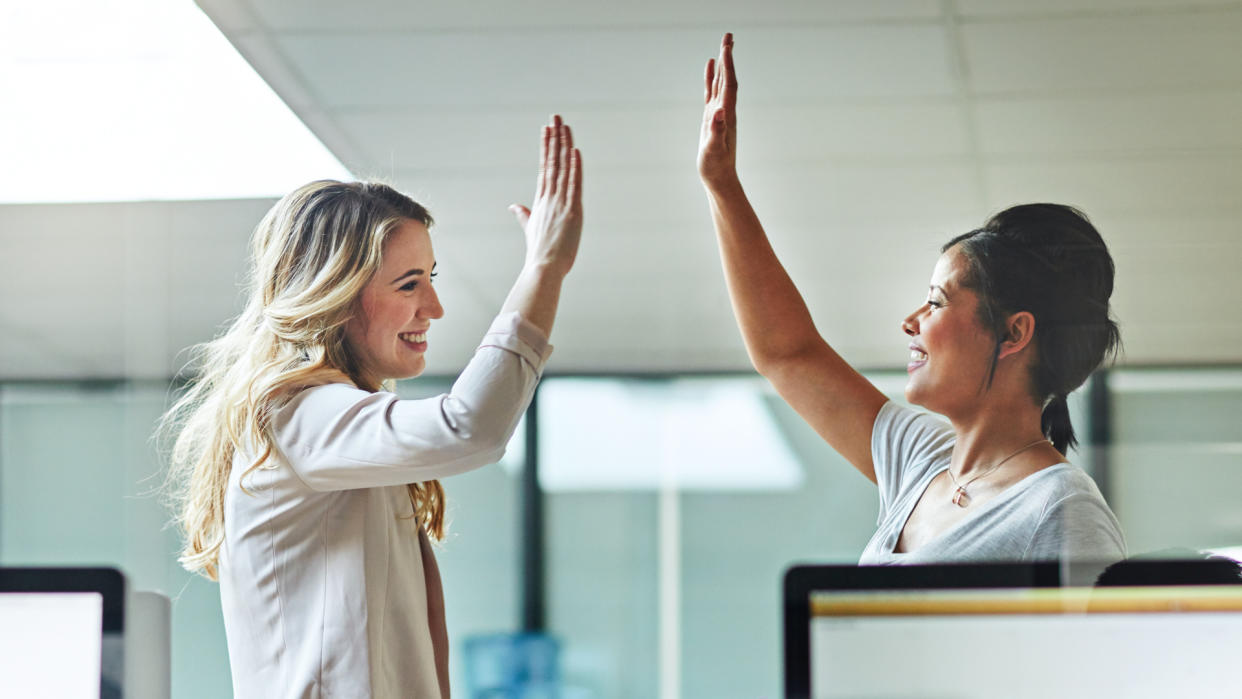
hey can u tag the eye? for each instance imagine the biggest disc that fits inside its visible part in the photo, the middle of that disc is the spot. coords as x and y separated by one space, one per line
433 275
408 286
935 304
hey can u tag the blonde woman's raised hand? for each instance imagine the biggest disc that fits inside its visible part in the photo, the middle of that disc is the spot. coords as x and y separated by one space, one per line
718 135
553 223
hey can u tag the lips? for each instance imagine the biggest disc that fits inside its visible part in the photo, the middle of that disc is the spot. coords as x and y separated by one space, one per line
918 357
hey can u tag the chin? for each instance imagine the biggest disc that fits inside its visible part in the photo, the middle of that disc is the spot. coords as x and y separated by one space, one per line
912 393
416 370
919 395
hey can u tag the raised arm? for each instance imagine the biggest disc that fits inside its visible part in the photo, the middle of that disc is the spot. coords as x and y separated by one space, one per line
553 227
780 336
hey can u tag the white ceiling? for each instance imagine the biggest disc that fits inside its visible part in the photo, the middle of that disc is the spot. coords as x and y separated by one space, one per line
870 133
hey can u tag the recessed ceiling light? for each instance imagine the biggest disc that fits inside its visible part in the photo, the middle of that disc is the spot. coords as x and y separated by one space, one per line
109 100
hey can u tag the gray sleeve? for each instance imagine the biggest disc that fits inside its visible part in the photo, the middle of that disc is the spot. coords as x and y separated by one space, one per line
1077 527
904 444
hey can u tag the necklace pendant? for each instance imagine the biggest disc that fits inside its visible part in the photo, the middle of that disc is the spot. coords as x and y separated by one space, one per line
959 497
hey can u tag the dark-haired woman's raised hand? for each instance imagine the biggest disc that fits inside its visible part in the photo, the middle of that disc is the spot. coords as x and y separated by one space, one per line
780 337
553 227
718 134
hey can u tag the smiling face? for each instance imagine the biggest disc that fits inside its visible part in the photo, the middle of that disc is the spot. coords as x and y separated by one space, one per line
950 351
388 333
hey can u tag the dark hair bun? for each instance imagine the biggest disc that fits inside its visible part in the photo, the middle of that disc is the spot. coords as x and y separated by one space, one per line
1049 260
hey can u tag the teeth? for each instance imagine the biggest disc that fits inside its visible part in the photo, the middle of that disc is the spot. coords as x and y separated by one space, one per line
413 337
917 355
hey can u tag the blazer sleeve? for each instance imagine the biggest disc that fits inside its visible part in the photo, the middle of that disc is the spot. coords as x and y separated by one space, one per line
340 437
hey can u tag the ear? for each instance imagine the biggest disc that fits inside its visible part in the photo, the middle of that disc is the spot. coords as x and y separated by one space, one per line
1019 332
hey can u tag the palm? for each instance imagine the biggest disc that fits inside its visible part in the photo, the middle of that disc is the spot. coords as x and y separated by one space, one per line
718 133
553 223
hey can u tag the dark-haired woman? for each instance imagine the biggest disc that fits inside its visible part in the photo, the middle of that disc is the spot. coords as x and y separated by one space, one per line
1015 319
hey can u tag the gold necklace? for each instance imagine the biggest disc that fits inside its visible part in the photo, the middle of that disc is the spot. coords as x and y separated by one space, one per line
961 488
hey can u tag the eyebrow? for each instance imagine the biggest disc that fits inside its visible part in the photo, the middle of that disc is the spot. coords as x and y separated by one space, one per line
413 273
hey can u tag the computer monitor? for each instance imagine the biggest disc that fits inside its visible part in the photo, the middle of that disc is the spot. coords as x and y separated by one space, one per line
975 631
62 632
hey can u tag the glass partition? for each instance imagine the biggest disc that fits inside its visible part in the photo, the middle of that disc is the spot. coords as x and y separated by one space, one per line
672 507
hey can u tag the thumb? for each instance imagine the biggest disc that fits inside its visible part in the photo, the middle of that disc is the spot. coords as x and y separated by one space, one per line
521 213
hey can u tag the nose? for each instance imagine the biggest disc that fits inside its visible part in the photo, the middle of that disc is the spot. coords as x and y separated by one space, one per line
431 308
910 325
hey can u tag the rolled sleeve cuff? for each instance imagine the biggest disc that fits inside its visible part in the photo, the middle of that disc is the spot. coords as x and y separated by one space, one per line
509 331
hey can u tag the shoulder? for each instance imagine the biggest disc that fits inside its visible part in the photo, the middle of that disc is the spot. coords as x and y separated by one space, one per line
904 429
1074 521
1065 482
905 445
326 401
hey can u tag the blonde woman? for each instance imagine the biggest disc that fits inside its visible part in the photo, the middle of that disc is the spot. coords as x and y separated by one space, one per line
310 490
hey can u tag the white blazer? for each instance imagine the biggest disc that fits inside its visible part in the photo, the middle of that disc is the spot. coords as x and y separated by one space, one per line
328 586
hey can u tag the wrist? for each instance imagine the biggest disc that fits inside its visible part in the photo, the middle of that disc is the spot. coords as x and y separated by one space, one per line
724 186
545 268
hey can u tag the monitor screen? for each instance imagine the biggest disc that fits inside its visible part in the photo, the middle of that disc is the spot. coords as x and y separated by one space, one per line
1058 642
1030 637
51 644
61 632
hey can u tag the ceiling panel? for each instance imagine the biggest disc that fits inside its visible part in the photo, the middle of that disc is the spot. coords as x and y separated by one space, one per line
60 280
1153 184
612 198
1115 54
1177 229
935 190
484 140
1171 341
589 67
404 16
870 134
1110 123
1153 283
1010 8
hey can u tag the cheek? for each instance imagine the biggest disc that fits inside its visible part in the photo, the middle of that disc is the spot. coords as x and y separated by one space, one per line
367 320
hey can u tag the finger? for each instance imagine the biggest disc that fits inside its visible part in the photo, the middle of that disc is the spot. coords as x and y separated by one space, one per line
554 157
708 74
730 76
541 181
717 85
521 213
566 155
575 179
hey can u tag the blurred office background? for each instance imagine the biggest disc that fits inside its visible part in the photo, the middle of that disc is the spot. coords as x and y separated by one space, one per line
143 140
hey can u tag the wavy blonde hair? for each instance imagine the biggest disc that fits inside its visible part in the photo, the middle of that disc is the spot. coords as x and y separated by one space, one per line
311 256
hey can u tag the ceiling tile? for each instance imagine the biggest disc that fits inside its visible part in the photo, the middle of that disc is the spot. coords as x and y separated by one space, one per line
401 15
231 16
1115 54
1151 184
1111 123
464 68
1009 8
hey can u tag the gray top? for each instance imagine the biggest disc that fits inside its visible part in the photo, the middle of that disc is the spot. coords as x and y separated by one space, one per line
1055 513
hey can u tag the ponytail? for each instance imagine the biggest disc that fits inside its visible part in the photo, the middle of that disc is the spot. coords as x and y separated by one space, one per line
1055 422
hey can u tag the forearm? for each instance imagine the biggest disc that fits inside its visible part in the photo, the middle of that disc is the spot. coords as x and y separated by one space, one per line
536 294
771 314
